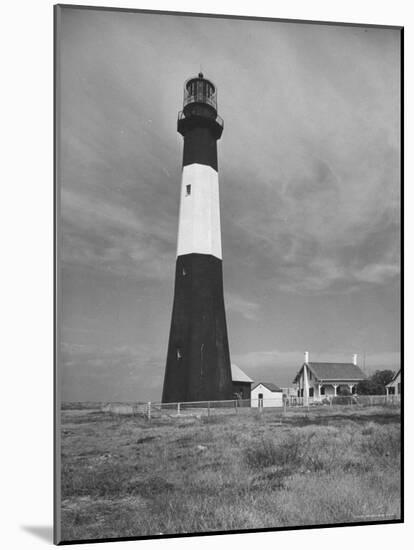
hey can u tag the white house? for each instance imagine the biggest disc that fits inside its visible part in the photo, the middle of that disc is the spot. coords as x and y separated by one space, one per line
394 387
315 381
266 394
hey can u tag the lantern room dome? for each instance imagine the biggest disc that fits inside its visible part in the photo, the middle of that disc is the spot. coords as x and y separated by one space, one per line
200 90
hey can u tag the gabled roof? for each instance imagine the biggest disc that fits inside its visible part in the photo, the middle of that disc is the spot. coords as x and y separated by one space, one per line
237 375
269 386
334 371
394 378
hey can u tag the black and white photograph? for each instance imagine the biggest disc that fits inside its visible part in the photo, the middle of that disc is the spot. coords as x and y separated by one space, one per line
228 206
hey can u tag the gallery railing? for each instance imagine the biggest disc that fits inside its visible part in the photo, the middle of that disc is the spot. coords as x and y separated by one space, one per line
217 118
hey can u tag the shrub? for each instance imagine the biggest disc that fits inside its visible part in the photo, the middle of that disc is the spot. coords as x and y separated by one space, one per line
285 454
382 444
343 400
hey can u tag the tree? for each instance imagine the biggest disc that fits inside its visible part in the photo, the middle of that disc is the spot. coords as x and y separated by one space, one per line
375 384
383 377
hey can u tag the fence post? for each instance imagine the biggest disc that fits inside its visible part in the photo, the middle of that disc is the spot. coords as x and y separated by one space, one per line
208 409
149 411
178 408
236 405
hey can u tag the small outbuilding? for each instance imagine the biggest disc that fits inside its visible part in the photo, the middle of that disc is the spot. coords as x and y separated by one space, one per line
242 384
394 387
266 394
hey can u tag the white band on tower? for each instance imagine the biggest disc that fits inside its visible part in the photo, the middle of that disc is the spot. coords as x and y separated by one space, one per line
199 226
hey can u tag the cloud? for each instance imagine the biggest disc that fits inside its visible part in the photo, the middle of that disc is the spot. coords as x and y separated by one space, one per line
265 358
247 309
119 373
376 273
318 231
105 234
268 358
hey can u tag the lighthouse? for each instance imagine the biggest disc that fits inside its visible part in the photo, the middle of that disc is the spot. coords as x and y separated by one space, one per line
198 358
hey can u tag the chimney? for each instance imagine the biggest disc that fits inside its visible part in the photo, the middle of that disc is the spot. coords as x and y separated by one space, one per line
306 357
354 360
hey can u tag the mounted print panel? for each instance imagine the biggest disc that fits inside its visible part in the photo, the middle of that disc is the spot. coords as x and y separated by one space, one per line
228 269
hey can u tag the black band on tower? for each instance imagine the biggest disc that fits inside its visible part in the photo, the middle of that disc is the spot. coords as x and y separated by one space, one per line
200 147
198 360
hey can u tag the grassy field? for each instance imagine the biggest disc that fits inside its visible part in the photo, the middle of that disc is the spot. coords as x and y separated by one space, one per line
123 476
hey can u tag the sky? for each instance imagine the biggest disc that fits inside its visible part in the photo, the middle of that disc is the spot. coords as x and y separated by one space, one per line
309 170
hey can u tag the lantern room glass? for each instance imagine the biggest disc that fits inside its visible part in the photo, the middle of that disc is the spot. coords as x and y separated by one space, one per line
200 90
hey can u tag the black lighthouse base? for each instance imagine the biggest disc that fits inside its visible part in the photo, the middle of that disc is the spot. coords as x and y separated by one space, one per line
198 361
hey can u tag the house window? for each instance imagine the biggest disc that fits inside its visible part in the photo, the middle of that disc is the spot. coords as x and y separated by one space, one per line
322 390
187 190
311 391
399 388
391 390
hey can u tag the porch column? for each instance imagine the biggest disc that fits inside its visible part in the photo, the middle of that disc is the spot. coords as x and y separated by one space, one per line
319 390
350 386
334 387
305 385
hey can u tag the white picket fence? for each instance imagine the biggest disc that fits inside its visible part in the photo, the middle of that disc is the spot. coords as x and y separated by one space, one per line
244 406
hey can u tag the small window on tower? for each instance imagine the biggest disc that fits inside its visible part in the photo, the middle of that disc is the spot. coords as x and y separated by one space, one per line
178 353
188 190
184 272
